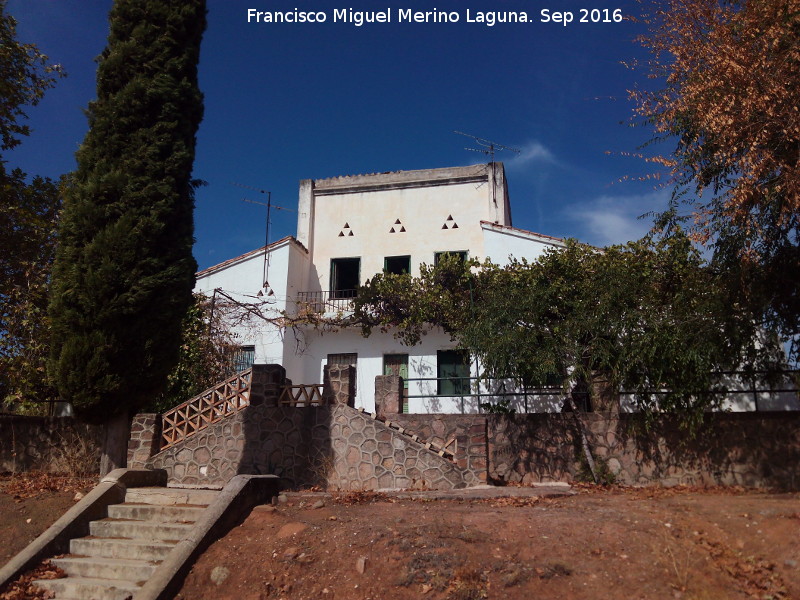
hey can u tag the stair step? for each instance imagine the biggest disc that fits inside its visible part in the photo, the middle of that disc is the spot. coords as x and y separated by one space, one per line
170 496
139 530
106 568
121 548
161 513
88 587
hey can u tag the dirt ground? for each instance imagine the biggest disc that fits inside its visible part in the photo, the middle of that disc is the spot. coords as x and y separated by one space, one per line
647 543
30 503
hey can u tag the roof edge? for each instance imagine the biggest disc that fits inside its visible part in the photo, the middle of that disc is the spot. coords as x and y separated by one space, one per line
547 239
237 259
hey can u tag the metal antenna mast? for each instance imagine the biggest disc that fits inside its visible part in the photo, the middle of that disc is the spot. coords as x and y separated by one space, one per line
265 282
488 148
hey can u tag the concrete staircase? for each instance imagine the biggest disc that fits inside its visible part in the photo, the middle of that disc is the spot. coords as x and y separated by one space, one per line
123 550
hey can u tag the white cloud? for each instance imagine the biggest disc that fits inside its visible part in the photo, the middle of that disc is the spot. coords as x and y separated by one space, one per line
531 153
607 220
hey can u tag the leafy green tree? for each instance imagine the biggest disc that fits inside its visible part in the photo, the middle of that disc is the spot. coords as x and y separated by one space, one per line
27 225
25 76
27 246
124 271
649 317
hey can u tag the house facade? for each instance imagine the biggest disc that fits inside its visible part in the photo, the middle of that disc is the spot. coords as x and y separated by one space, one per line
351 228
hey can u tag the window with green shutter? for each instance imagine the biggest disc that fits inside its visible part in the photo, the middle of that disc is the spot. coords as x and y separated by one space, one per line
452 371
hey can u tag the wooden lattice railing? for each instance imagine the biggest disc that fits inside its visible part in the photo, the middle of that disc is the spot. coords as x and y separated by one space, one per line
226 398
306 395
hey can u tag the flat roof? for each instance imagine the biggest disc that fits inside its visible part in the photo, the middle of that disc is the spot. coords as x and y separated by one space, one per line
403 179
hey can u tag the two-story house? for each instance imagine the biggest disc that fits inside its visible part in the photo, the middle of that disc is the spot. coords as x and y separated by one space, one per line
350 228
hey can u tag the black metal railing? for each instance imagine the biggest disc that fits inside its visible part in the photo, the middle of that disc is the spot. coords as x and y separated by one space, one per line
749 387
325 302
475 391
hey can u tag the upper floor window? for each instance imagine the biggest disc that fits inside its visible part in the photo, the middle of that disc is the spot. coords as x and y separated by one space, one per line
397 264
462 254
345 277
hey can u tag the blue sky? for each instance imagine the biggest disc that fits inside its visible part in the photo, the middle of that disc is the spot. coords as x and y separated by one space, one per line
285 102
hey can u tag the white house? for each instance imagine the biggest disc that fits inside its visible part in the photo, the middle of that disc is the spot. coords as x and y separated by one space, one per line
350 228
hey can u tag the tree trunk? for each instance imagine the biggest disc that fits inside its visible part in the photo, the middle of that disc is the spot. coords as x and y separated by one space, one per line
587 451
115 444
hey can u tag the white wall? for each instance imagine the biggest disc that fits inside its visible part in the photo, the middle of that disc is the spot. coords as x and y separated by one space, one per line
241 279
501 242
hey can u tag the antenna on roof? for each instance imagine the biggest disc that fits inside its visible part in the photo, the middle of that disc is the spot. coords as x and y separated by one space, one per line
265 288
488 147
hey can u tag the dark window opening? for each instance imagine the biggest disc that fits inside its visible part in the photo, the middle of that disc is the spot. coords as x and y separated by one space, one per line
452 371
461 254
348 358
344 277
397 264
243 358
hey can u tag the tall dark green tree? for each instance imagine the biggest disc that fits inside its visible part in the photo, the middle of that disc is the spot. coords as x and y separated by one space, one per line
124 270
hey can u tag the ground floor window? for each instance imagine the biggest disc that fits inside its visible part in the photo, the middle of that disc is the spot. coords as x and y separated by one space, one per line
452 372
348 358
397 364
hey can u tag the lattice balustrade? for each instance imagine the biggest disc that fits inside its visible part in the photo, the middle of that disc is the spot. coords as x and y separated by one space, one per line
306 395
228 397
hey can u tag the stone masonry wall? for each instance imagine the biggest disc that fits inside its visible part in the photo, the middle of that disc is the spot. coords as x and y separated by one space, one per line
470 446
51 444
369 455
145 439
339 384
258 440
334 446
750 449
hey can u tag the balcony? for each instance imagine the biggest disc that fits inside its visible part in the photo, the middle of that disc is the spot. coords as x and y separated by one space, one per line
337 301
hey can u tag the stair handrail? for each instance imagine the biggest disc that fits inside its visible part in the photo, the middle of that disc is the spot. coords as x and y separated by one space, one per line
208 407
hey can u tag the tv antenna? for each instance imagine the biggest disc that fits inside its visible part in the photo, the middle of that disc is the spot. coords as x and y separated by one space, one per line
265 287
488 148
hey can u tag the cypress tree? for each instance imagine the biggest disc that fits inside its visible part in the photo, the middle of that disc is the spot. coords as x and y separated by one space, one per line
124 270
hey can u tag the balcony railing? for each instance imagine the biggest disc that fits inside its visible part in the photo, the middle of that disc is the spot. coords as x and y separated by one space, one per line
338 301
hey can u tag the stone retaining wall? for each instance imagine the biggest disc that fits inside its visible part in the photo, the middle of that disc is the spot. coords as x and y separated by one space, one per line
749 449
51 444
333 446
469 432
370 455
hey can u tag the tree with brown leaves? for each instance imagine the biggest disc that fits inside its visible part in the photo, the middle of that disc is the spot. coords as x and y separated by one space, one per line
731 97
